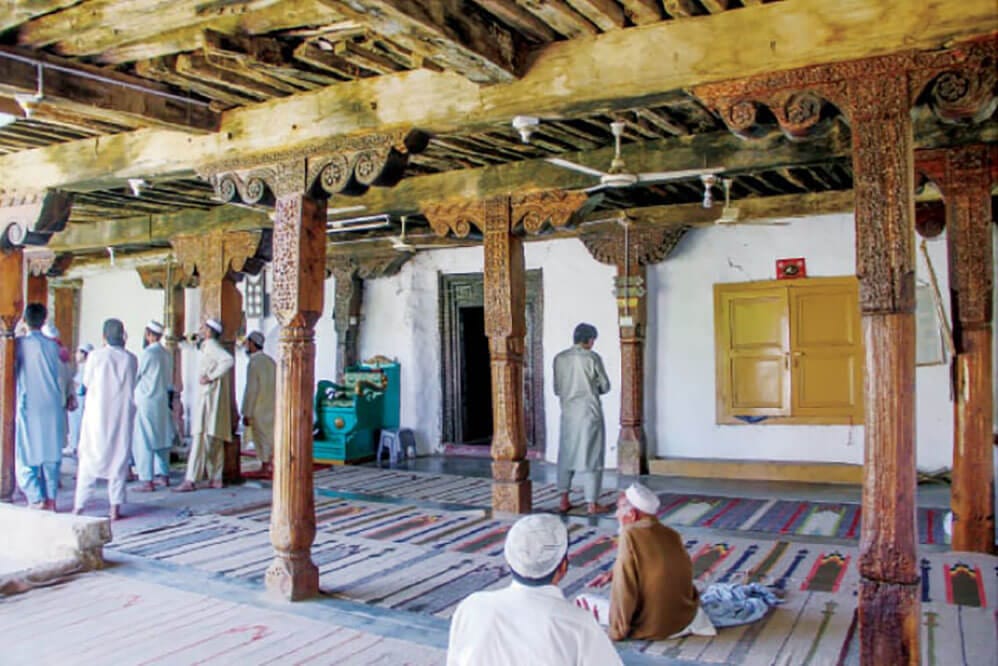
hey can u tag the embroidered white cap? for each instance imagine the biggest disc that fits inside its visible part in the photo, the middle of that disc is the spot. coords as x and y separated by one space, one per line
155 327
257 338
536 545
214 325
642 499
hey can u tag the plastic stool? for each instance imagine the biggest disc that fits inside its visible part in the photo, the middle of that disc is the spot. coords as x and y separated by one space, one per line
397 442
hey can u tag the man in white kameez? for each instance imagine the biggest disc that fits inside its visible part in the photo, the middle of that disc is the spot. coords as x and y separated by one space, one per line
579 381
153 434
80 391
106 432
258 403
211 427
40 421
529 622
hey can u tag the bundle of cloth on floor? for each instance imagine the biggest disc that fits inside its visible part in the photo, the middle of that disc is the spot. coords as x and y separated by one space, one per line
732 604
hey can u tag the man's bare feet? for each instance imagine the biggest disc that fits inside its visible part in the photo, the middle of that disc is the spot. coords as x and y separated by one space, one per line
115 513
596 509
565 505
49 505
217 484
185 487
37 506
144 487
164 479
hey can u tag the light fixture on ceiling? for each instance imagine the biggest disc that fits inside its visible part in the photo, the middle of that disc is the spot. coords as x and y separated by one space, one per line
136 185
365 223
525 126
110 252
709 180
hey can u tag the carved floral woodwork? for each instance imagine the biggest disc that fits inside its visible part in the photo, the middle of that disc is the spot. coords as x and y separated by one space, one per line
158 276
646 244
958 83
532 212
31 219
344 165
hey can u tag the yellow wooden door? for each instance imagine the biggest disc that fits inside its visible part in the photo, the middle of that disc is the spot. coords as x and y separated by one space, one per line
826 350
753 345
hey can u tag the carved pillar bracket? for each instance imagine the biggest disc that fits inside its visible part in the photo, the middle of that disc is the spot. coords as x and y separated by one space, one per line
11 305
455 217
31 219
536 212
964 176
631 253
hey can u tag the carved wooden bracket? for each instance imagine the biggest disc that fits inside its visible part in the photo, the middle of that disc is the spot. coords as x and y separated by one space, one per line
214 254
958 83
346 165
532 212
41 261
366 265
647 244
32 219
160 277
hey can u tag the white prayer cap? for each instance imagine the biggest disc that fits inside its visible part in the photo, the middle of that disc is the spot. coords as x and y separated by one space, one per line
214 325
86 348
155 327
50 331
257 338
536 545
642 499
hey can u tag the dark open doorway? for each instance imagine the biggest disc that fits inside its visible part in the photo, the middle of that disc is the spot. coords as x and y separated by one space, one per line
476 378
467 375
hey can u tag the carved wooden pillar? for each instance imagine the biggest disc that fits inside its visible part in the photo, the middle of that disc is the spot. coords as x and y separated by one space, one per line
11 305
66 311
883 176
501 220
631 246
346 315
38 261
172 280
218 257
964 176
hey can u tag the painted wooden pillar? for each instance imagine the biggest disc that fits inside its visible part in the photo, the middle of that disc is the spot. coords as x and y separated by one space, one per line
506 327
883 176
38 289
964 176
218 257
66 311
299 273
11 306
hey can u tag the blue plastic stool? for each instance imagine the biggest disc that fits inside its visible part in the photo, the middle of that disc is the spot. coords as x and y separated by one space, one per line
397 442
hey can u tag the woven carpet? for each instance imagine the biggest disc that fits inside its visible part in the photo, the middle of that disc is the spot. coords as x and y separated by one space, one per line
420 560
782 517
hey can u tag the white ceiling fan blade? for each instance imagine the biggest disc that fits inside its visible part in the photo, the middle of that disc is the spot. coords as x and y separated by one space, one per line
581 168
665 176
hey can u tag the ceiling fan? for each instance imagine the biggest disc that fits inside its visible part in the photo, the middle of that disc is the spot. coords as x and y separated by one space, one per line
401 243
617 176
730 215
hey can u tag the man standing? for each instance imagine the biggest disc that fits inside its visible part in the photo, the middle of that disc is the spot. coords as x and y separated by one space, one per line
579 381
152 437
212 424
529 622
80 391
258 402
42 394
106 432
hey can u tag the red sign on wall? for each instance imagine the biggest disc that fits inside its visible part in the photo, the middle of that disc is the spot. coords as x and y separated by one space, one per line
789 269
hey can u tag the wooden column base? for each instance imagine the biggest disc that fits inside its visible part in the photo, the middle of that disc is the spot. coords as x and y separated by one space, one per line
512 491
889 616
292 576
232 467
630 444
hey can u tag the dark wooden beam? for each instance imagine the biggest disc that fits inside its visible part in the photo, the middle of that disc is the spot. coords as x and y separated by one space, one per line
69 84
444 31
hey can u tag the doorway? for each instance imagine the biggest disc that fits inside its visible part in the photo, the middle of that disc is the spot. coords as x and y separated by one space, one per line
467 375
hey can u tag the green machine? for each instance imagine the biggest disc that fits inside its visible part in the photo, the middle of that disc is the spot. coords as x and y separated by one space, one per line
350 415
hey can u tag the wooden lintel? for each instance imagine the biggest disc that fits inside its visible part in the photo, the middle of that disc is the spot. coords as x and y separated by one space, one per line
616 70
63 81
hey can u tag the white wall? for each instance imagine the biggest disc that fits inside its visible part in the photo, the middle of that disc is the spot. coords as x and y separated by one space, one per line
400 319
681 346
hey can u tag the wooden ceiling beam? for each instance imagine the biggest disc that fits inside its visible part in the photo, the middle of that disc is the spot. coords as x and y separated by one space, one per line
617 70
604 14
560 16
519 19
116 95
443 31
642 12
17 12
